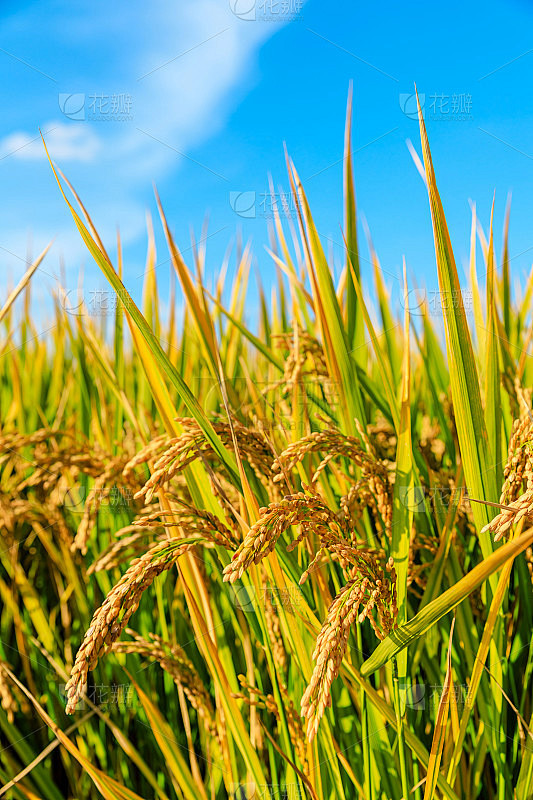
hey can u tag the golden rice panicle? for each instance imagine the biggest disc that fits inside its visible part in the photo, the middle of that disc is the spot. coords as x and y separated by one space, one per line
7 699
147 453
518 472
263 535
382 435
273 626
356 500
294 724
105 491
253 696
111 618
373 590
331 441
523 507
375 474
305 358
529 561
173 660
191 521
182 450
307 510
518 466
252 692
123 549
329 651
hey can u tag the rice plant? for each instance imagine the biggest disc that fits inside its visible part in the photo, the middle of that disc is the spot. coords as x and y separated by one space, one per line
282 560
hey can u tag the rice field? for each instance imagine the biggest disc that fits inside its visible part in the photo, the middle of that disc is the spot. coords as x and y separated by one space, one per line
287 559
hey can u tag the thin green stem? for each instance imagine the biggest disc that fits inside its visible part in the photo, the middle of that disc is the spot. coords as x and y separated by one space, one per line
368 785
399 730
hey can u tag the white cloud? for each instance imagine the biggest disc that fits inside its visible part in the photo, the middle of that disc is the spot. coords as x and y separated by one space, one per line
181 72
186 67
64 142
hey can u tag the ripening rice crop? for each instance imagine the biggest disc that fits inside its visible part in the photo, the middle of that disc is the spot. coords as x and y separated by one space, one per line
290 559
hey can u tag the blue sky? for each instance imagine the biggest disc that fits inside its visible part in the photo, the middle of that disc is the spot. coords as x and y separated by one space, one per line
199 98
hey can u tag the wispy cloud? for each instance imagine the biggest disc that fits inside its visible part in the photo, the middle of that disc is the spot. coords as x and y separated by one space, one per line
65 143
130 100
